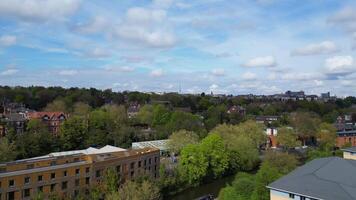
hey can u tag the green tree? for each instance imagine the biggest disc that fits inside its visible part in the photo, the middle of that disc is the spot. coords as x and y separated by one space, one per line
326 136
305 124
131 190
111 180
7 150
283 162
193 164
56 106
287 138
241 188
179 139
161 115
145 115
213 148
81 109
73 133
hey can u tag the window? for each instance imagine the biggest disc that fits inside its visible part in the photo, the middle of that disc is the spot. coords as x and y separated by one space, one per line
139 163
65 173
11 183
53 187
53 175
77 171
118 168
64 185
291 196
98 173
302 198
132 166
40 189
145 163
76 159
87 180
156 159
27 180
53 163
76 193
132 173
39 178
149 161
26 193
87 170
76 182
31 166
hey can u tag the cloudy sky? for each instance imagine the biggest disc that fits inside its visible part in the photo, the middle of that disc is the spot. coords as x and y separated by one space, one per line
234 47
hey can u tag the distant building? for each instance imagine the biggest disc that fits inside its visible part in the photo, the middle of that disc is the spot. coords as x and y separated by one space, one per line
331 178
266 119
9 108
272 137
346 131
349 153
52 120
237 109
162 145
14 121
70 172
133 110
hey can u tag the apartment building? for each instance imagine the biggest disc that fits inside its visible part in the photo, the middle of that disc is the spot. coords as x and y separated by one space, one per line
331 178
51 119
72 172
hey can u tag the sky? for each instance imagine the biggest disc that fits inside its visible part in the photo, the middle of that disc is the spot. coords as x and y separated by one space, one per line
191 46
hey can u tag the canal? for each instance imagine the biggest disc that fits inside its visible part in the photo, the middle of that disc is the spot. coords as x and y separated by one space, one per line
209 188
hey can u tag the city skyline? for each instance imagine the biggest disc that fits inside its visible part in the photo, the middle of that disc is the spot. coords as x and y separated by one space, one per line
259 47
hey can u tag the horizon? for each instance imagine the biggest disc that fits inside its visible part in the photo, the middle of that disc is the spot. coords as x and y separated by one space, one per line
246 47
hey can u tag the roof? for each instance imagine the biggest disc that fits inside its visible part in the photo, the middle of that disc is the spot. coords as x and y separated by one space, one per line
38 115
14 117
159 144
325 178
350 149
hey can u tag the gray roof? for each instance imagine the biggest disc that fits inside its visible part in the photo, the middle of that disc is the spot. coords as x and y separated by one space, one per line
325 178
350 149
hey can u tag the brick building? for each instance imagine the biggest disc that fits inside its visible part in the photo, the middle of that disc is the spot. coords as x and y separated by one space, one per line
72 172
52 119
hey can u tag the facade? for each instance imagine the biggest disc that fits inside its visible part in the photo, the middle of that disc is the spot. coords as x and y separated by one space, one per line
69 173
272 137
237 109
331 178
267 119
15 121
346 131
133 110
350 153
52 119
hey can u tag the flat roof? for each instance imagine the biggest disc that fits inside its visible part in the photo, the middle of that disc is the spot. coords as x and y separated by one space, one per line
350 149
159 144
325 178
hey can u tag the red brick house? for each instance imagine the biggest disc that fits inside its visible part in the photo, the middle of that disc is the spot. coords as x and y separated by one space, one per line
52 119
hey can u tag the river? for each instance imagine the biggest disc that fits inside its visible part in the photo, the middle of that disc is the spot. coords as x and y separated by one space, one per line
209 188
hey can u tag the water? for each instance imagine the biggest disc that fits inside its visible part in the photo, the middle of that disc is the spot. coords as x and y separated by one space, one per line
210 188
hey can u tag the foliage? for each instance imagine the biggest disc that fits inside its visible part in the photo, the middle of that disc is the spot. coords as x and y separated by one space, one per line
287 138
306 124
131 190
241 188
179 139
7 150
73 133
111 180
283 162
326 136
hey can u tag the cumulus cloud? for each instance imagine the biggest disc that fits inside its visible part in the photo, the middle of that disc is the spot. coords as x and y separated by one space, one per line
97 24
157 73
267 61
9 72
34 10
7 40
98 53
68 72
146 26
112 68
249 76
340 65
344 18
218 72
325 47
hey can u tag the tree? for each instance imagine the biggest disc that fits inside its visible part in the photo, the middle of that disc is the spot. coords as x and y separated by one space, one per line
179 139
111 180
242 187
253 131
73 133
145 115
305 124
161 115
243 154
182 120
132 190
283 162
81 109
192 164
7 150
56 105
326 136
213 148
287 138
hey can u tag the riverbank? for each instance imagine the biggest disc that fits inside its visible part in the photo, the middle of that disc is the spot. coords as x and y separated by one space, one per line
201 190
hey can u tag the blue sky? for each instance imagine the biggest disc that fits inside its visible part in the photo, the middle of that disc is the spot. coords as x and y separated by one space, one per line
232 47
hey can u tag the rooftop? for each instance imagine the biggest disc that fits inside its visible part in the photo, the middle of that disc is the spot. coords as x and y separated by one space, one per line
159 144
350 149
325 178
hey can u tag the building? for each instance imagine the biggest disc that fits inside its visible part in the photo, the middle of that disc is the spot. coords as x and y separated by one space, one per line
15 121
236 109
133 109
331 178
349 153
15 108
72 172
266 119
51 119
158 144
346 131
272 137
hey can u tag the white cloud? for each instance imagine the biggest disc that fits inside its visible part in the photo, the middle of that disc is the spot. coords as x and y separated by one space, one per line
267 61
249 76
68 72
218 72
7 40
34 10
301 76
318 82
146 26
340 65
325 47
9 72
98 24
112 68
157 73
345 18
98 53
